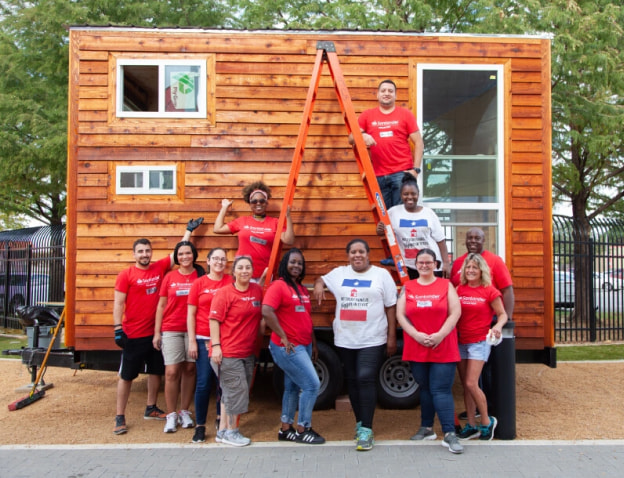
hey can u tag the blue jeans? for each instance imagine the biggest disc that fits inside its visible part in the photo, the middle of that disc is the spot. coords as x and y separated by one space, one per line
436 396
301 382
390 186
205 375
361 367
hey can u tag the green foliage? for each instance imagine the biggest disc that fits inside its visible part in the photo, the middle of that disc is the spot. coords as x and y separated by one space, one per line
590 352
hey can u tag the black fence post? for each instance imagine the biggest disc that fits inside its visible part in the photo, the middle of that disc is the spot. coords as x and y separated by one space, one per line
503 359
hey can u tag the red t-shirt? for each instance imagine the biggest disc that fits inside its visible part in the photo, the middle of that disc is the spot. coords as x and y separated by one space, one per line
255 239
294 315
239 314
176 288
141 288
476 312
392 153
202 292
501 278
426 307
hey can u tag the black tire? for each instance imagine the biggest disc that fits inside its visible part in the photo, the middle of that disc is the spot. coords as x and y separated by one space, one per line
396 388
607 286
329 370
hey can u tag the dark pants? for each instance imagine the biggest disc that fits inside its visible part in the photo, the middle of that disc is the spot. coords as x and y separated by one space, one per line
361 367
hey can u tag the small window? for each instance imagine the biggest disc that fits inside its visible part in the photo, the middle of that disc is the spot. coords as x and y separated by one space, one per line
146 180
161 88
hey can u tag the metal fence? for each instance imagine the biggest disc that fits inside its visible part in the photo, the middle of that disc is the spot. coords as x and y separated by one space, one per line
588 280
32 270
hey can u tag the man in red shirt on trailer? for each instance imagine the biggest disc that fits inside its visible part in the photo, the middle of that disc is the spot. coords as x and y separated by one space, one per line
134 314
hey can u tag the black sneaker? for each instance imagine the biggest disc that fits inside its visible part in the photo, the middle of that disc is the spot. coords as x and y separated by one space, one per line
120 425
464 415
152 412
200 435
469 432
487 433
287 435
310 437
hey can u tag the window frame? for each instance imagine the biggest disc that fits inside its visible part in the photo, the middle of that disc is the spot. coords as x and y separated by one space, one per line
499 206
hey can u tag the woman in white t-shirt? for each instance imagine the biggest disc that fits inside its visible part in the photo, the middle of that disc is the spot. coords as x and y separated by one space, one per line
417 227
364 329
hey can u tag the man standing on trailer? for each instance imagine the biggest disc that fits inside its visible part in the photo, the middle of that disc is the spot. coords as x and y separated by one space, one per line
387 131
134 314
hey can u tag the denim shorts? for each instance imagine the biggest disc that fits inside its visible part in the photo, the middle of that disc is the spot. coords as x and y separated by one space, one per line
476 351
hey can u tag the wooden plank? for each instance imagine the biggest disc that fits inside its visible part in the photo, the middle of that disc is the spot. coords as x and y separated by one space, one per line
92 104
131 140
92 92
93 67
93 80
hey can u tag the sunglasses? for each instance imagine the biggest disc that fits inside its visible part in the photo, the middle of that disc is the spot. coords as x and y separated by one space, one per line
257 201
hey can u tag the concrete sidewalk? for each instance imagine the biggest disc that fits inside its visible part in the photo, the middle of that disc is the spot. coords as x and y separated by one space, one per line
402 459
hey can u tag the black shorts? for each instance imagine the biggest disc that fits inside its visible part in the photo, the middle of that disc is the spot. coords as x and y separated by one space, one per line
140 356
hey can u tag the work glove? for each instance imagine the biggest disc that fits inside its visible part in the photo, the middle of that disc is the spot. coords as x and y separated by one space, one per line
194 224
121 339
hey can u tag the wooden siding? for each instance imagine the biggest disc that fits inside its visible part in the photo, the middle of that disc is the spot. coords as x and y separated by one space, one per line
260 84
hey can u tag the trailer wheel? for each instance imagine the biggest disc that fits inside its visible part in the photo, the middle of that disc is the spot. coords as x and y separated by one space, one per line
396 387
329 370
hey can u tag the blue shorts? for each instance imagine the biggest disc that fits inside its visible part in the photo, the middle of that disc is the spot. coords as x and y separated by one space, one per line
476 351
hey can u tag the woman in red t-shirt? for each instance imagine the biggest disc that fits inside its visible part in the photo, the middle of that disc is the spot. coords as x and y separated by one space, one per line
200 298
428 309
235 316
170 335
257 232
480 301
287 311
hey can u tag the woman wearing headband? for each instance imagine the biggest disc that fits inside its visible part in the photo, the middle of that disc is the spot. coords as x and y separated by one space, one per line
257 232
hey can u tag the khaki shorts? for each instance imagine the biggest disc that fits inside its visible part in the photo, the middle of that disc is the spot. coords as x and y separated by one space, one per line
174 347
235 376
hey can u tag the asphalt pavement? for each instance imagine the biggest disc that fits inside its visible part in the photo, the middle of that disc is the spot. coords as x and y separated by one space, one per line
401 459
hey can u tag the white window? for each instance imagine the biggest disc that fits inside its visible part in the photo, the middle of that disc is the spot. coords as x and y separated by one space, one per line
161 88
460 114
146 180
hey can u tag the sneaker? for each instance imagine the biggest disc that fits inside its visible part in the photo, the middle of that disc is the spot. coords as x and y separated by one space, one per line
424 433
120 425
172 423
200 435
152 412
464 415
185 420
365 440
219 436
387 261
310 437
487 433
234 438
469 432
358 425
287 435
452 443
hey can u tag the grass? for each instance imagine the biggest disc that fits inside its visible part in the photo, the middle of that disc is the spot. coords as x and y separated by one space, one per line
590 352
9 342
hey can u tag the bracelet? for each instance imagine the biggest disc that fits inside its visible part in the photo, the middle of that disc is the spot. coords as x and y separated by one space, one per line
214 345
117 325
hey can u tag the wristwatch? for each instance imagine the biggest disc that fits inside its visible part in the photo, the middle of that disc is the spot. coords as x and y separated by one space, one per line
417 170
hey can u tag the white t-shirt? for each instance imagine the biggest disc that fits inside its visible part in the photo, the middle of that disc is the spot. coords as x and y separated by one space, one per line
416 231
361 299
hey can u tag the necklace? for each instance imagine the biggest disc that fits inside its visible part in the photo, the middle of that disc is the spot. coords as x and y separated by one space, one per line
259 216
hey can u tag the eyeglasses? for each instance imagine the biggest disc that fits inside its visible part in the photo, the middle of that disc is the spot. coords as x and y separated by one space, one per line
425 263
257 201
219 259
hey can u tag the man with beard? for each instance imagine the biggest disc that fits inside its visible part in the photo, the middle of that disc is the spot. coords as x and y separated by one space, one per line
134 314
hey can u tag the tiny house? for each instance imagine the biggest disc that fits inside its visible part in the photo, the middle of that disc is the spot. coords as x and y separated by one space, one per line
165 123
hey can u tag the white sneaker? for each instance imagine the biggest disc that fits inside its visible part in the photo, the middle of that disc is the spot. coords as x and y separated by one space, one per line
171 425
185 420
234 438
219 436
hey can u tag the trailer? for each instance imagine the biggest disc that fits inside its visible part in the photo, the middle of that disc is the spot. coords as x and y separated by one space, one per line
165 123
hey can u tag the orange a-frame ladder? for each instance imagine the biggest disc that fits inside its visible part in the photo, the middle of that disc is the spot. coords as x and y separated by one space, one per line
326 52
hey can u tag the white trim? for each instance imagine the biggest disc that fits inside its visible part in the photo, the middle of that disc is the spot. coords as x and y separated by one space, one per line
162 64
144 170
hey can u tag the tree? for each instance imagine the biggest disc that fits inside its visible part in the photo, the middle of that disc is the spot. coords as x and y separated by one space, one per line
33 90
